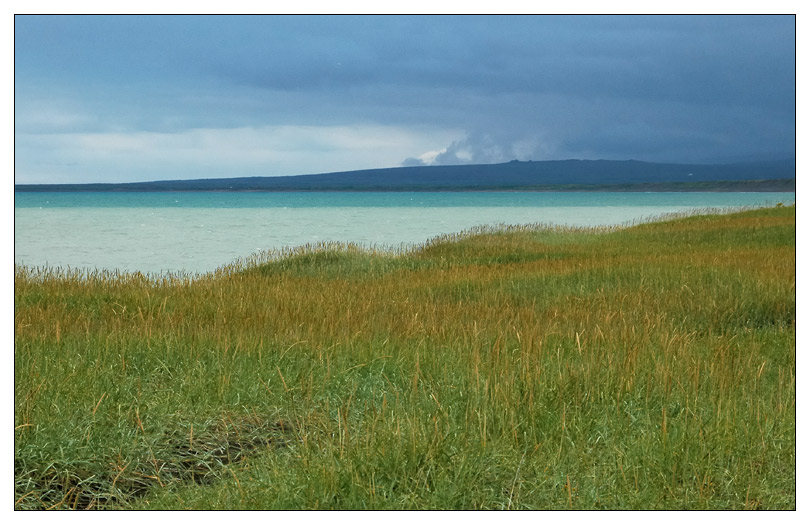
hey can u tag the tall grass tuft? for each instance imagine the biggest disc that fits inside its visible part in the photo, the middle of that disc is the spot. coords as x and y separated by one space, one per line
649 366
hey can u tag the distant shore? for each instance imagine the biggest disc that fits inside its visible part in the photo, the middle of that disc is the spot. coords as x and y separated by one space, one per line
565 175
753 186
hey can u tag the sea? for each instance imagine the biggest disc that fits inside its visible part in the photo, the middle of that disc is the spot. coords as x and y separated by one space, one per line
197 232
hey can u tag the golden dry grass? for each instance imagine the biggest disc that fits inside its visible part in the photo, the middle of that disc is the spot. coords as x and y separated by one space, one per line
647 367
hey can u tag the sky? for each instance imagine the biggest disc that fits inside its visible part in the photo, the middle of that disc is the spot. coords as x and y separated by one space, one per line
139 98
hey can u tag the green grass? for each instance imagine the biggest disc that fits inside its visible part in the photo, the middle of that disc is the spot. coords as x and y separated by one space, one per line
650 367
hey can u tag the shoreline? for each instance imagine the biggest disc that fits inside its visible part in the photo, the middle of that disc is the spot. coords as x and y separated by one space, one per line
769 186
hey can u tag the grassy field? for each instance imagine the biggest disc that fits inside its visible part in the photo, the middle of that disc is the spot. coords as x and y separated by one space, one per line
651 367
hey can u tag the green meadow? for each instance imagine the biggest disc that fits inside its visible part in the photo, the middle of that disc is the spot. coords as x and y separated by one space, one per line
646 367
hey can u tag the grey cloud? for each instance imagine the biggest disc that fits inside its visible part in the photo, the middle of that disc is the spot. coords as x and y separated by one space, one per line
450 156
517 87
412 161
695 59
498 145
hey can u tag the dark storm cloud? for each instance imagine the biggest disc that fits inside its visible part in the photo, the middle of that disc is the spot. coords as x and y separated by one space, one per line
743 60
679 88
609 86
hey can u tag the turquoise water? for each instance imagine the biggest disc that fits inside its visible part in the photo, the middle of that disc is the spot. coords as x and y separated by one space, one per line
198 232
387 199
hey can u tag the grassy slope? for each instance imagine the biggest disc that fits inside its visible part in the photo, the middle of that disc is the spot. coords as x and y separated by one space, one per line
651 367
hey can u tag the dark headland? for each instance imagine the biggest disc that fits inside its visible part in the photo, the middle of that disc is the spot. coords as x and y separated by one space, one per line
562 175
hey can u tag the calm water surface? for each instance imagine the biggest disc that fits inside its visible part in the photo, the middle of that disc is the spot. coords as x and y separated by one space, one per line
198 232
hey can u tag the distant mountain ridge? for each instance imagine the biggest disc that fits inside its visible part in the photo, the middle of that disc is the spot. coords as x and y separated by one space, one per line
514 175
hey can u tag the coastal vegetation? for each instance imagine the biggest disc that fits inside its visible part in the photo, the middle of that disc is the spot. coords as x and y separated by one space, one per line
524 367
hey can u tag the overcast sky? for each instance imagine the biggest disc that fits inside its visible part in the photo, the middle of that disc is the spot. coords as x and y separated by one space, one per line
122 98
